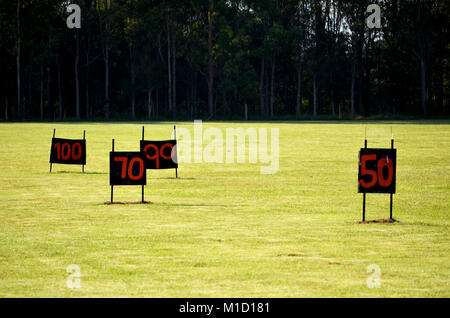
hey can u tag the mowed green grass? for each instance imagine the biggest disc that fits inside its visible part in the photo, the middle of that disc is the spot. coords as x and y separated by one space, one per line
225 230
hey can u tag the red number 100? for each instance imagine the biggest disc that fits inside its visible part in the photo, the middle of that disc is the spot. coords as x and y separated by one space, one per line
125 164
65 152
383 162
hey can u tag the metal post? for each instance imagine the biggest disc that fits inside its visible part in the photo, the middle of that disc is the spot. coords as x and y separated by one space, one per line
364 207
390 204
175 136
144 168
54 131
364 194
112 187
84 138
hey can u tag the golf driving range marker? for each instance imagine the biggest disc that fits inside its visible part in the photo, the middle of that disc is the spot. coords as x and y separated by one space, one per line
160 154
377 172
68 151
126 168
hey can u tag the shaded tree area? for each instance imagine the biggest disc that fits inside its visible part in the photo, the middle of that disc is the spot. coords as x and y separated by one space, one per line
156 60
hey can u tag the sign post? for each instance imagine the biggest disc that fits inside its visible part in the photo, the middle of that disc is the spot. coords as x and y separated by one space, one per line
175 136
377 173
112 185
84 138
391 194
51 163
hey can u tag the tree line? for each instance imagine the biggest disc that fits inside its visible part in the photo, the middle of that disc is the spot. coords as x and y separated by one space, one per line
211 59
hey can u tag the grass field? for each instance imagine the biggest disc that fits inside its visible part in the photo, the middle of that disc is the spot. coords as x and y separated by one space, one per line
224 230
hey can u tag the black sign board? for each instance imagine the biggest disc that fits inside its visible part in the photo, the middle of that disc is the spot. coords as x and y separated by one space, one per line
160 154
68 151
377 170
127 168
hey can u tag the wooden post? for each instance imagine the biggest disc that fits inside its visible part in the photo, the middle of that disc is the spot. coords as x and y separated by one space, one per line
54 131
175 136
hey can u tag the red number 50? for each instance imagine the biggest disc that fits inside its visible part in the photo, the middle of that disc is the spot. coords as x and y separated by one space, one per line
383 162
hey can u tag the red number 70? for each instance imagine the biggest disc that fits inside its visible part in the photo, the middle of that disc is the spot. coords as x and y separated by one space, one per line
129 167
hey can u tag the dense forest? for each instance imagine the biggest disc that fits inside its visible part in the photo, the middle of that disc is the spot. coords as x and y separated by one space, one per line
211 59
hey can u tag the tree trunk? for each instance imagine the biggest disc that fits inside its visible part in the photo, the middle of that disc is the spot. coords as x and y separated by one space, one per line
423 86
30 84
272 87
210 61
315 94
107 83
267 95
361 88
88 108
19 97
194 94
49 103
42 92
77 80
6 107
106 60
157 104
169 66
333 95
261 87
352 92
298 104
88 62
60 102
174 80
149 103
133 81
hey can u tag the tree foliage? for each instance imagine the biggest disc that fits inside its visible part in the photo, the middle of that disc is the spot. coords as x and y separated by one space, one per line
167 59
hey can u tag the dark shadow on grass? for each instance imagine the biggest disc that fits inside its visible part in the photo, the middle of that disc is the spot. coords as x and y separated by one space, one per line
379 221
79 172
171 178
205 205
126 203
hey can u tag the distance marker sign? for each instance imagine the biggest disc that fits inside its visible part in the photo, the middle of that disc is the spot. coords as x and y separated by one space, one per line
160 154
68 151
127 168
377 170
